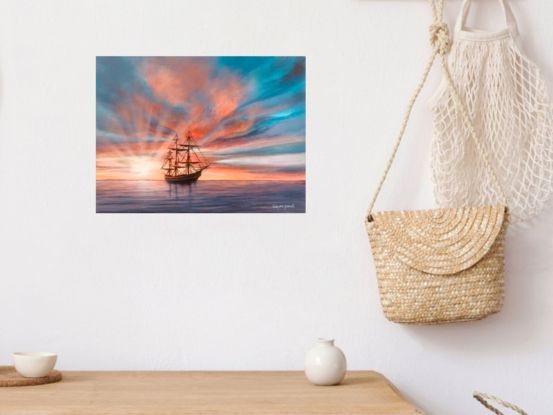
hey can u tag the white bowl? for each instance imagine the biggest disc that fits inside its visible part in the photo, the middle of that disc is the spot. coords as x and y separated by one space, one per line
34 364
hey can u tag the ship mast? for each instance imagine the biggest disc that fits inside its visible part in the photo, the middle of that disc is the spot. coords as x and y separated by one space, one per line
170 163
188 155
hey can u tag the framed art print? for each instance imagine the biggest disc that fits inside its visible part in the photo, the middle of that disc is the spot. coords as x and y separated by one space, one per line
200 134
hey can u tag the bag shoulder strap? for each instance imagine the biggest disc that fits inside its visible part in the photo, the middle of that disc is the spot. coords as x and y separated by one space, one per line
481 397
510 20
441 45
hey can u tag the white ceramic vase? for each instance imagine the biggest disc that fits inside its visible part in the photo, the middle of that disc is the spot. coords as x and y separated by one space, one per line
325 364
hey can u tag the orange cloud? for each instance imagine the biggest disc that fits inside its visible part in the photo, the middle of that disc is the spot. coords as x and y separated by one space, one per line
244 145
240 173
224 93
165 77
131 149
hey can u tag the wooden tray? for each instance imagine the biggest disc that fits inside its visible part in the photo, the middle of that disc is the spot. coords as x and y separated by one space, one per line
10 377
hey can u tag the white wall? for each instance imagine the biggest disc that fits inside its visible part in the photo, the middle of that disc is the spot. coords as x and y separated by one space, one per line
254 291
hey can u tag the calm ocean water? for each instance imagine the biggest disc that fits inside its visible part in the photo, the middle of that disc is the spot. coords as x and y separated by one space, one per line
203 196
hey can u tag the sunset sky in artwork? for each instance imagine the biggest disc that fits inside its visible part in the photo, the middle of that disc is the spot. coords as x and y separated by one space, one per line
246 113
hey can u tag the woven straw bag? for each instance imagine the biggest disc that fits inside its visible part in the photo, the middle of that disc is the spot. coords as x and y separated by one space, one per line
442 265
482 397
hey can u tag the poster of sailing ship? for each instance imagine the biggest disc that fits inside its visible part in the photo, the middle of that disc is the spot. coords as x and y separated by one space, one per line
200 134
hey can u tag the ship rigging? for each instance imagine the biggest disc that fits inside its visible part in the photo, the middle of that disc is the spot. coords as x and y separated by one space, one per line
184 161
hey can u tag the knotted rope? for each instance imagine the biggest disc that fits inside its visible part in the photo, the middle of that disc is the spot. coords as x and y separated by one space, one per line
441 45
481 397
439 38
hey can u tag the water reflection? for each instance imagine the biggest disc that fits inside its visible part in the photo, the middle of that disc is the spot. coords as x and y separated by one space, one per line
182 191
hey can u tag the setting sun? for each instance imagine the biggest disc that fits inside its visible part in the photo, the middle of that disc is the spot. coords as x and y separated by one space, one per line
145 167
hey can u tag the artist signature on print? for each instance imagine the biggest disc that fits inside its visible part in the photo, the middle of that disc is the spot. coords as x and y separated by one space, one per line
284 207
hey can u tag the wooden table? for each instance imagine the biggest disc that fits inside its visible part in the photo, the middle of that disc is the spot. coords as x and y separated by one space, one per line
213 393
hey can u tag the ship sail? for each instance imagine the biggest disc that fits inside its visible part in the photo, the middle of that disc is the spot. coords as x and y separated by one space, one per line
184 160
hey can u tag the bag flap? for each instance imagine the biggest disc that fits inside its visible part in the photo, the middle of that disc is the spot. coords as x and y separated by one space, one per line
440 241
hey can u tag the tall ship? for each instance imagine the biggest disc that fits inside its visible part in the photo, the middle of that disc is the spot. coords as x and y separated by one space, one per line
184 161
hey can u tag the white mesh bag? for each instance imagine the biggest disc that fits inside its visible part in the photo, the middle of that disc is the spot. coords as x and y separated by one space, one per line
508 103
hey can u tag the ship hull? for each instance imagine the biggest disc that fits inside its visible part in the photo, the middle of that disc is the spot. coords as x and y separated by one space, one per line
182 178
